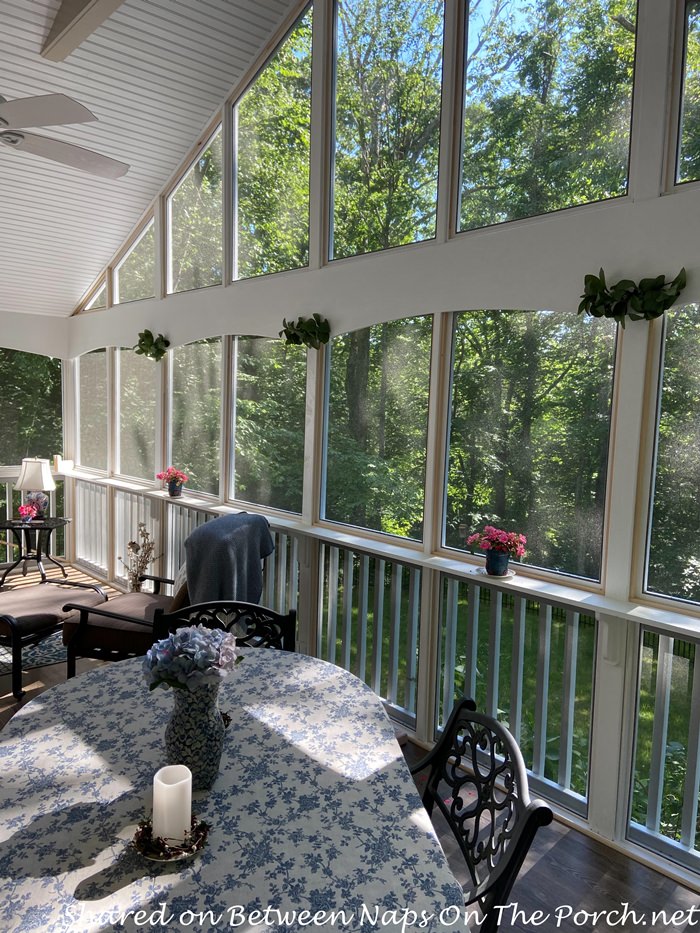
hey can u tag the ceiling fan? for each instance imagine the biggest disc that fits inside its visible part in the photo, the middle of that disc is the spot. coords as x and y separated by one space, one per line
53 110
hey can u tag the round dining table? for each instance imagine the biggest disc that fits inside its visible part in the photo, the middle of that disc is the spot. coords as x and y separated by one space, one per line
315 822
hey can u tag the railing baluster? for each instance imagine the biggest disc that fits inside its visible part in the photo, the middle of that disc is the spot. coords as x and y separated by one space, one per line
293 593
495 609
332 624
659 733
378 625
450 640
347 607
692 773
542 696
412 639
362 612
568 698
472 645
517 666
281 577
394 633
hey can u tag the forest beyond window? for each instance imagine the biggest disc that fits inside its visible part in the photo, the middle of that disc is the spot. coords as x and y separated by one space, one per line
547 106
529 432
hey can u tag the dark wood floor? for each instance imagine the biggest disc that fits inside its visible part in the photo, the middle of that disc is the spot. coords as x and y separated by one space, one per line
565 869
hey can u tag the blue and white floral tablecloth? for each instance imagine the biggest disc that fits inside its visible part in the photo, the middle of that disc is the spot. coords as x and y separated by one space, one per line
313 810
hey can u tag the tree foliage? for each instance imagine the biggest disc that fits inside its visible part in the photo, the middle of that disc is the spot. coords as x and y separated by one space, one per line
272 161
689 154
196 223
31 423
387 130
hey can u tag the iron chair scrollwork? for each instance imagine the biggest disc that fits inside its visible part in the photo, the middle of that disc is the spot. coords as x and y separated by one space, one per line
254 626
477 778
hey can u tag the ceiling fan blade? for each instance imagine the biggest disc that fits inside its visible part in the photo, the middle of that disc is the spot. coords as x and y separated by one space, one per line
84 159
47 110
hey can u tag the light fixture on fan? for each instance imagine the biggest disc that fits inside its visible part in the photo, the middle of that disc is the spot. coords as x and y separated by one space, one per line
36 480
53 110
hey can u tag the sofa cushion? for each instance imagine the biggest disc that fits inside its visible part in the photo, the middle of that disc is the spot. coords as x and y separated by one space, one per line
40 607
120 635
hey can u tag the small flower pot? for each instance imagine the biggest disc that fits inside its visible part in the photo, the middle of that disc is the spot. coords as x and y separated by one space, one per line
174 489
497 562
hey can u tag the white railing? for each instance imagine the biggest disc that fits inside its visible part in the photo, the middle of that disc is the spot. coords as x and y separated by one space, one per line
371 623
530 664
666 773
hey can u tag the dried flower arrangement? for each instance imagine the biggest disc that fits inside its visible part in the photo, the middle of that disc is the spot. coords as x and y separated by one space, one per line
141 554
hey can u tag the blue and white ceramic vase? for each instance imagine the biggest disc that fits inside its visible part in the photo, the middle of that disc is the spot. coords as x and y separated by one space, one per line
497 562
195 734
174 489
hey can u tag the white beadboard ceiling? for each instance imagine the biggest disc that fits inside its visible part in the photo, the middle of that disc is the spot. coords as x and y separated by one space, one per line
153 73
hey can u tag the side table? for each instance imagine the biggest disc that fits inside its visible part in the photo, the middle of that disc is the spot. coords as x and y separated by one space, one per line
32 539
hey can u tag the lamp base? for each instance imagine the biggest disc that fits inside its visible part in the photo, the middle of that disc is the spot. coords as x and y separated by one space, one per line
40 501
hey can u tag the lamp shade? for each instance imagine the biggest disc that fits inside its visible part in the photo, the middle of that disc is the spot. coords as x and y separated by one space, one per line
35 475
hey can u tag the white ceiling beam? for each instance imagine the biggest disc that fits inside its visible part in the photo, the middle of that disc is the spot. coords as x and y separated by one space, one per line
74 22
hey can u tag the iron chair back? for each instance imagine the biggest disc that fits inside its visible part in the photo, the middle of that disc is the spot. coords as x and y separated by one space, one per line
478 781
254 626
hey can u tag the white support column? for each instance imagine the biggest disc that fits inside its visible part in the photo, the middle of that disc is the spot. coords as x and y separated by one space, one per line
627 428
652 115
450 119
320 156
612 726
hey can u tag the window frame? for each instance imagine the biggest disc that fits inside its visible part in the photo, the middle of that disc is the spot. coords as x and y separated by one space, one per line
231 202
172 190
462 96
148 224
330 153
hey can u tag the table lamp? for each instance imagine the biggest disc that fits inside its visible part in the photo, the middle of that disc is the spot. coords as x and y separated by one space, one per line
35 475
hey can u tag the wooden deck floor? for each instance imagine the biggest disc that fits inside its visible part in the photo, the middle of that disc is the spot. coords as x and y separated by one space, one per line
565 871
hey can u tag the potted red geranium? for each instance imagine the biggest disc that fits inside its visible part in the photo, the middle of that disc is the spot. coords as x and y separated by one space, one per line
174 479
500 546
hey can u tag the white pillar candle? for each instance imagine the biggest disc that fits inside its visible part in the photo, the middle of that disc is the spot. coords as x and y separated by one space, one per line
172 802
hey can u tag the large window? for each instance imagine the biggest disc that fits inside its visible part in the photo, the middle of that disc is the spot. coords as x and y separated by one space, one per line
93 410
273 121
270 404
548 89
674 542
529 430
196 413
689 144
31 423
139 389
195 223
134 277
377 423
388 73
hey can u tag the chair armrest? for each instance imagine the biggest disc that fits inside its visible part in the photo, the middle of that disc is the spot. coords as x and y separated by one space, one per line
156 580
85 611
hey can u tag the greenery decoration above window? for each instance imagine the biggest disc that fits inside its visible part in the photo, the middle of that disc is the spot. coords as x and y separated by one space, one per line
643 302
311 332
153 347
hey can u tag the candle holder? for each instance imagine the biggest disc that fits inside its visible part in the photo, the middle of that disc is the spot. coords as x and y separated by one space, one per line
158 849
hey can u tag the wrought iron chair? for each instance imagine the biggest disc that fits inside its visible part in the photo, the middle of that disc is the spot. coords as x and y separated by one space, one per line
254 626
114 636
478 780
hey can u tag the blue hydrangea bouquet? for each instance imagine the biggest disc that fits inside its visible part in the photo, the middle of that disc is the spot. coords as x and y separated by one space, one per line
191 658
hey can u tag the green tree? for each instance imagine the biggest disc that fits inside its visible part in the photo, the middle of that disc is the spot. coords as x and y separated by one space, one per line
547 106
31 424
273 121
387 129
689 154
